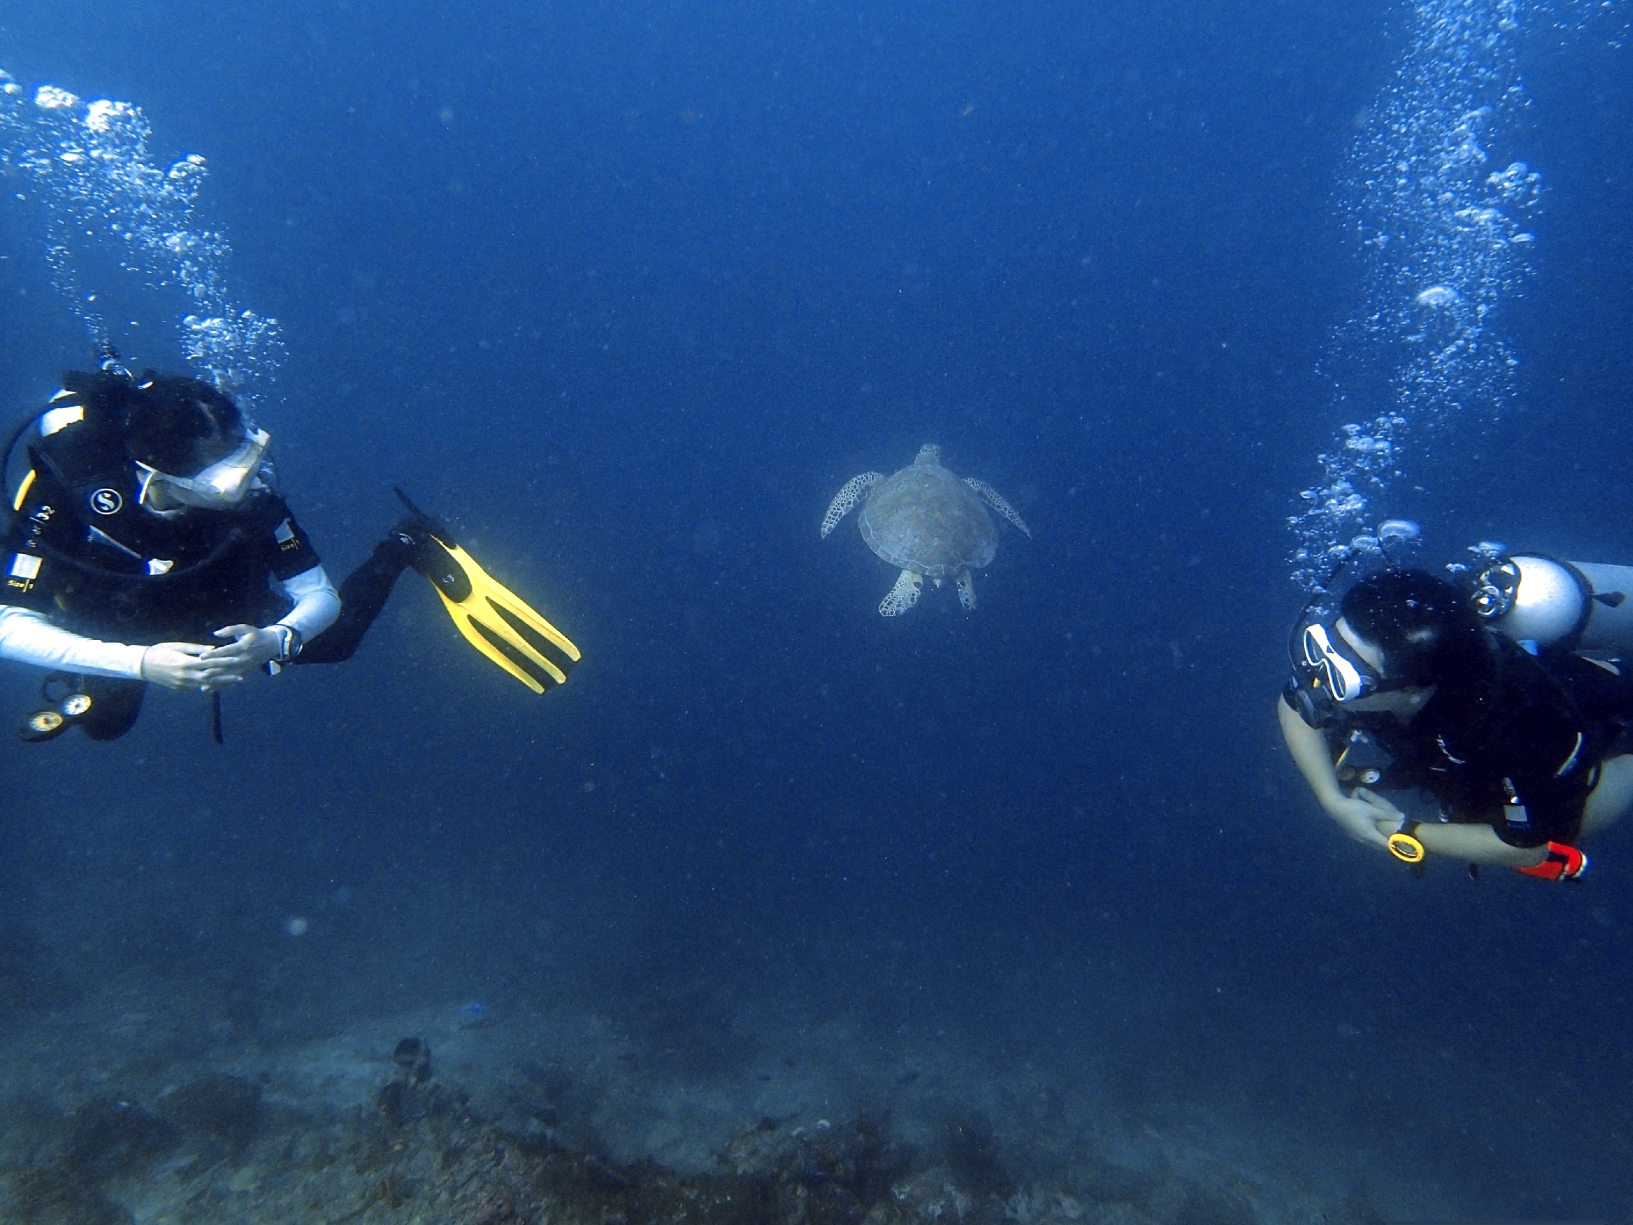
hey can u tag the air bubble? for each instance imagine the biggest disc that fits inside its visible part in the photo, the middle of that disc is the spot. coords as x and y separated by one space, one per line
1438 295
1444 236
108 207
1399 531
50 98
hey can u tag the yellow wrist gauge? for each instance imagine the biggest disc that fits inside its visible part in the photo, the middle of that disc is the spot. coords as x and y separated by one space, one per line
1404 847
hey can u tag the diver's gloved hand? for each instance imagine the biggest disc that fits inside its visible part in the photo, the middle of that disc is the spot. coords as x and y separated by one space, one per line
250 650
176 665
1361 813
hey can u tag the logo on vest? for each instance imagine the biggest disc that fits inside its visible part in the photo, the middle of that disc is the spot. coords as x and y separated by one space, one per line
107 501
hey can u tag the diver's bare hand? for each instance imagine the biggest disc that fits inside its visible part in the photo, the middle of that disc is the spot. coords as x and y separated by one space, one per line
175 665
250 650
1360 813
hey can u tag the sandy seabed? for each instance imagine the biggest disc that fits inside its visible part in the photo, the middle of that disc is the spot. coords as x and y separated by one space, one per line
132 1109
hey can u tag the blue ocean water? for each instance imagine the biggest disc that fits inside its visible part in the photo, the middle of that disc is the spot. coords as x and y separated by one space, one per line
625 293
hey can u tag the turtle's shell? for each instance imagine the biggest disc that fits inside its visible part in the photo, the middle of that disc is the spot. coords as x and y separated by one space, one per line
926 520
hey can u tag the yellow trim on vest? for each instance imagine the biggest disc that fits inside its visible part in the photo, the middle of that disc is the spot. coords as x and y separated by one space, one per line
22 492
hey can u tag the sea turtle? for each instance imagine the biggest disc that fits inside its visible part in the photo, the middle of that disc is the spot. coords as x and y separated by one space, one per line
928 522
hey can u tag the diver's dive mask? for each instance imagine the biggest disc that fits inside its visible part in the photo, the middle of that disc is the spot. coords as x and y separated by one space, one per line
1330 663
220 486
1328 673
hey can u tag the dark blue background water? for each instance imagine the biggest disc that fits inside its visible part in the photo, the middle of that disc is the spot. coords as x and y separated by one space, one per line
625 292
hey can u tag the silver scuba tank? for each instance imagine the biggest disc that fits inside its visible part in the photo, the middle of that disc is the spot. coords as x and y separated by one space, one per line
1577 606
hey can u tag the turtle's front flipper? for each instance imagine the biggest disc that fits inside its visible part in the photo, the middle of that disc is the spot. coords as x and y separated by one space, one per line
995 500
903 595
848 497
966 590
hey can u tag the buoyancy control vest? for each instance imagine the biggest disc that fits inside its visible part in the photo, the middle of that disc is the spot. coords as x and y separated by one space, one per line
106 565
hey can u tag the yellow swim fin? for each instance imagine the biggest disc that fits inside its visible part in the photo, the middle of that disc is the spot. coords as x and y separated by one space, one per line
491 617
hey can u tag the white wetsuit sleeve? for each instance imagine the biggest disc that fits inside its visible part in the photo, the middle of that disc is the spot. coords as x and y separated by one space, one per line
317 603
30 638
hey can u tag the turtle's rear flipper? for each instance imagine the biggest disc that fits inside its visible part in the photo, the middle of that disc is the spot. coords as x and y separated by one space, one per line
966 590
903 595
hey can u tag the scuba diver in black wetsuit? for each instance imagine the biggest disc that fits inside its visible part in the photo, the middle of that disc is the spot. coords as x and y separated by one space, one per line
1511 705
149 545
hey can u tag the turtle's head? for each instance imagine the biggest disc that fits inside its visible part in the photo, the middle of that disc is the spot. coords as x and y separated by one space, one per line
929 455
